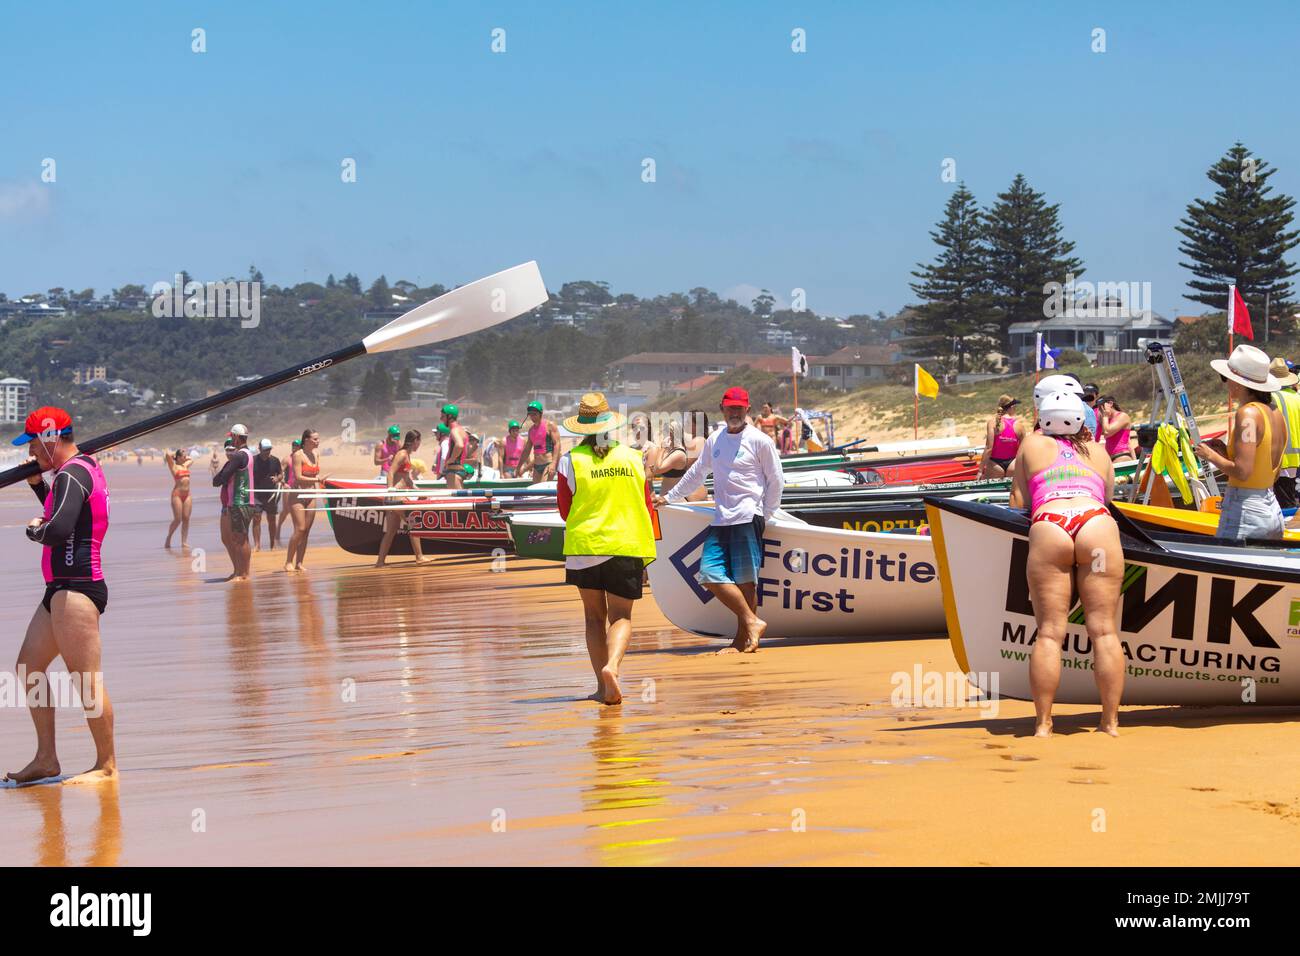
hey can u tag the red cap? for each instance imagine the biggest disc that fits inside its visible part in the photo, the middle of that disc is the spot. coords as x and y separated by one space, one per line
736 396
45 421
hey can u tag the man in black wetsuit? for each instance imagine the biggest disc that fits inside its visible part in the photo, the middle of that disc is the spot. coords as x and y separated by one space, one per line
66 622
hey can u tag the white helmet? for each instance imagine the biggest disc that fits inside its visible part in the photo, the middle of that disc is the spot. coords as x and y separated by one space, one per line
1053 384
1062 413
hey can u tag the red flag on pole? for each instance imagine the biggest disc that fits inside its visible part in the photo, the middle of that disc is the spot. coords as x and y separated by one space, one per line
1239 317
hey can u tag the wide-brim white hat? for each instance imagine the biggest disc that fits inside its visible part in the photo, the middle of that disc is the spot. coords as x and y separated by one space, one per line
1248 366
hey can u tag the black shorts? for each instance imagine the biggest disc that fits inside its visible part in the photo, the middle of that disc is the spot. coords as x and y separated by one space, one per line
97 591
1003 463
618 576
269 505
1284 489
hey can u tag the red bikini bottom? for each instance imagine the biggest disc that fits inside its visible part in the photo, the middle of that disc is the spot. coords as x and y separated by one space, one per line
1072 520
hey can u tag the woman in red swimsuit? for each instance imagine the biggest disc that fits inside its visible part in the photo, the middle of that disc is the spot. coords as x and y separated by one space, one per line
307 477
399 476
178 464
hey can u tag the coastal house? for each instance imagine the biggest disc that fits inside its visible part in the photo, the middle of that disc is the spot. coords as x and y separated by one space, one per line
651 373
1092 331
854 365
85 374
14 394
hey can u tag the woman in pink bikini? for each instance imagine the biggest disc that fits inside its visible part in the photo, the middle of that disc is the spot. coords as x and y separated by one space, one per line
1067 478
1115 427
1002 440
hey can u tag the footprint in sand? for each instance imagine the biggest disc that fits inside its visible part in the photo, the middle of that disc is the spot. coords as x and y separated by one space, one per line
1087 781
995 746
1087 766
1205 789
1017 757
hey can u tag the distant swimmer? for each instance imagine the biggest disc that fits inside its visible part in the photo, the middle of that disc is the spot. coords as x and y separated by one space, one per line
604 497
1113 429
387 448
672 460
268 476
542 443
1002 438
287 483
307 477
65 624
400 476
235 479
1066 478
178 463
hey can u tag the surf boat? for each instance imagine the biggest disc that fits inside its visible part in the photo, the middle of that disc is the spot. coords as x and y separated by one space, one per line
814 582
1201 621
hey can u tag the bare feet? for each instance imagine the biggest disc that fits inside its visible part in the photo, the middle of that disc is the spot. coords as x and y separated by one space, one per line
747 639
1043 728
36 770
611 692
424 561
1109 727
96 774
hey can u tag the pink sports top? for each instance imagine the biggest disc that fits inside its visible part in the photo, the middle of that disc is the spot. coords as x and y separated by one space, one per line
1006 442
390 449
1065 478
514 450
76 520
1118 444
540 436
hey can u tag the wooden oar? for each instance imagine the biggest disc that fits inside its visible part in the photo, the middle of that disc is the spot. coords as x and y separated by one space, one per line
471 308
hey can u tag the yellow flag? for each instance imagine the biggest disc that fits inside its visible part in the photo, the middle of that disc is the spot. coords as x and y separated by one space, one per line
925 384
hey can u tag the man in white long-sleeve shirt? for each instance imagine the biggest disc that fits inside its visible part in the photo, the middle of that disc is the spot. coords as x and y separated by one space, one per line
747 483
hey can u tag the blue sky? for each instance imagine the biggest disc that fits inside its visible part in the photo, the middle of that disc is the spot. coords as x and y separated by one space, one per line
818 170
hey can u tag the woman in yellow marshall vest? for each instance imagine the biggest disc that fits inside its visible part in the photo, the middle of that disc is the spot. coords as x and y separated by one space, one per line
606 503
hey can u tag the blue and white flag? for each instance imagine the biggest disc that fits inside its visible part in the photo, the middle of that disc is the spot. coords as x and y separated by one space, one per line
1046 356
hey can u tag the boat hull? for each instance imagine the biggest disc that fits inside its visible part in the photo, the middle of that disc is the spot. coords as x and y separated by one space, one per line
814 582
1196 628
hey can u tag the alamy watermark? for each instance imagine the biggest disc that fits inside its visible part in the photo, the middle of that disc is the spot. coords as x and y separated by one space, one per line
945 689
1096 300
52 689
210 300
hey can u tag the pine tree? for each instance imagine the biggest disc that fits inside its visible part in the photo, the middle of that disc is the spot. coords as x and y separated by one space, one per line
1025 253
1239 236
956 316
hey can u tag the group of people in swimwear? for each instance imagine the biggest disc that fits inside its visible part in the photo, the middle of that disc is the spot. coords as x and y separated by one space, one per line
253 485
1062 467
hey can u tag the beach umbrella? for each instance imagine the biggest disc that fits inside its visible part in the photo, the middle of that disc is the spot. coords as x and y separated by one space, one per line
479 305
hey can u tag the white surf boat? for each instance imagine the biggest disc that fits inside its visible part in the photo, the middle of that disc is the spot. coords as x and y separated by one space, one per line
1201 621
815 582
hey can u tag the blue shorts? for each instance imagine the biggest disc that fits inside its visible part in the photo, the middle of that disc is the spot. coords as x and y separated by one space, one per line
732 555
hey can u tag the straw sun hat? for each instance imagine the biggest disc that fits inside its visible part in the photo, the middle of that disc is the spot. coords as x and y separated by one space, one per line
1247 366
594 416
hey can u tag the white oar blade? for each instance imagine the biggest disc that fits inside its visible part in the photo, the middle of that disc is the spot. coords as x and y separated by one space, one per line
471 308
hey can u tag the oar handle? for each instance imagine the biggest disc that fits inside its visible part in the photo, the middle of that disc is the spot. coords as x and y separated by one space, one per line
174 415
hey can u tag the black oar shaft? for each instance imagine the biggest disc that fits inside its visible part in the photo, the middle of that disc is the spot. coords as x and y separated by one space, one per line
174 415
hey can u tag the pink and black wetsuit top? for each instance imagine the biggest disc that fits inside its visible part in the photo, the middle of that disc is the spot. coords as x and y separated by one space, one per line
76 520
514 451
388 450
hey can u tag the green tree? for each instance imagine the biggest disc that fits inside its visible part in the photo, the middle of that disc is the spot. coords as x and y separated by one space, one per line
1025 252
381 297
377 393
351 283
956 316
1241 235
763 303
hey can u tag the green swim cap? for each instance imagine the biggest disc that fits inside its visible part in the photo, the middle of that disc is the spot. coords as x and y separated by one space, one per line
535 406
394 431
452 410
512 424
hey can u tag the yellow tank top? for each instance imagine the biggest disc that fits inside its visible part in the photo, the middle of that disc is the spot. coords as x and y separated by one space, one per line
1264 473
608 514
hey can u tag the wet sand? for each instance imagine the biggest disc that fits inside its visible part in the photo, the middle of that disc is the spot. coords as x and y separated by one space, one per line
467 740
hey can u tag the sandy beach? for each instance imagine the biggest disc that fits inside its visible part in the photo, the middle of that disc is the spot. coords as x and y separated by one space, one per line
435 715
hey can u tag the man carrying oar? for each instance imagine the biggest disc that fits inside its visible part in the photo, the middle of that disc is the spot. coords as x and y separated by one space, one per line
66 622
747 482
